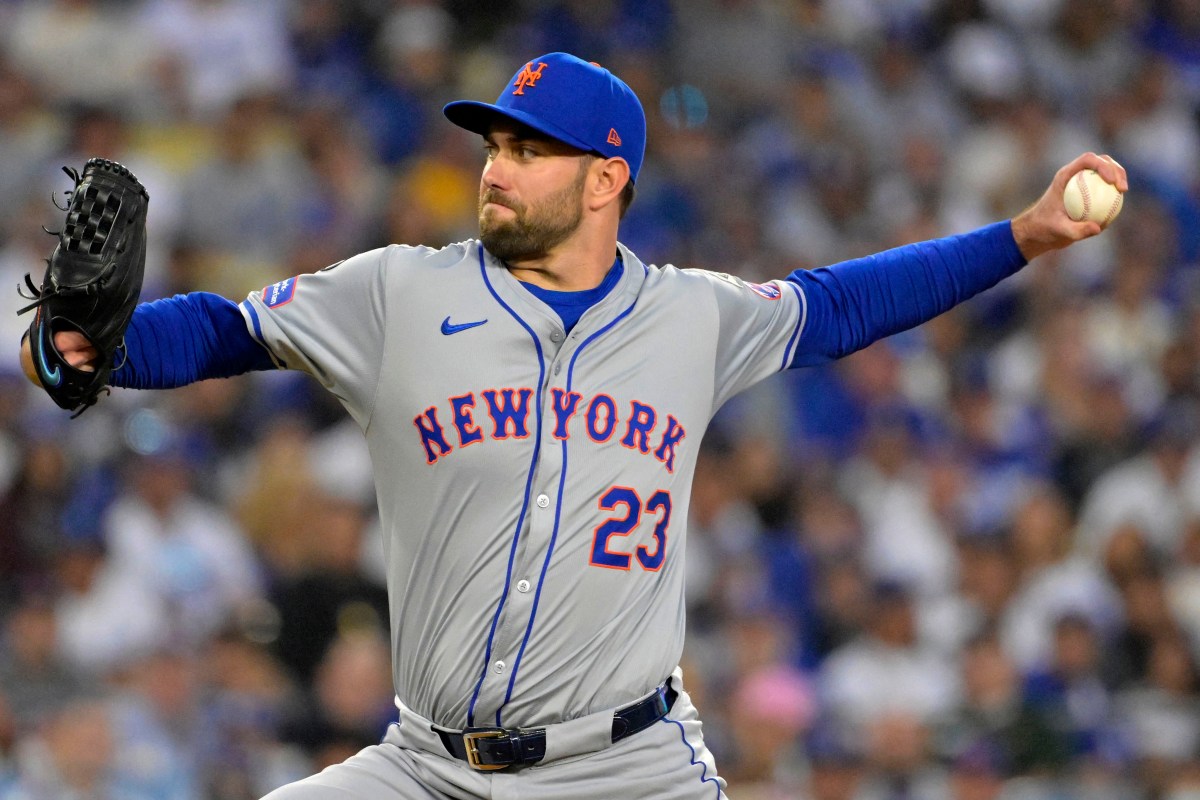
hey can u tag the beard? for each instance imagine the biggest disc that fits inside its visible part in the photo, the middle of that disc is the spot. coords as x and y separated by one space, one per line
533 231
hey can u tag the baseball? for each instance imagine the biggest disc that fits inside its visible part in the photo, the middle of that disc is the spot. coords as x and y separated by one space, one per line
1090 197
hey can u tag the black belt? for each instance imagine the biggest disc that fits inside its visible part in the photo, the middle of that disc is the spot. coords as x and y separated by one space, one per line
497 748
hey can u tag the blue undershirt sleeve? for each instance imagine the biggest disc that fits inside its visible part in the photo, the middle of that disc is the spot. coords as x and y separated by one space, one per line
854 303
187 338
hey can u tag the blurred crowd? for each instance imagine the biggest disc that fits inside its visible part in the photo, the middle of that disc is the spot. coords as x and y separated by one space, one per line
963 564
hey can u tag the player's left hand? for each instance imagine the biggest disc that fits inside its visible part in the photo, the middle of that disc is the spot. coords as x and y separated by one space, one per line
1045 226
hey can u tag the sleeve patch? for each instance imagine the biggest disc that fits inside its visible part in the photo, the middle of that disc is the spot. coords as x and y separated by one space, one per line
767 290
280 293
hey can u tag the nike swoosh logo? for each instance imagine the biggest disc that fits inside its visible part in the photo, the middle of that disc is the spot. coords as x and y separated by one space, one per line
51 377
448 327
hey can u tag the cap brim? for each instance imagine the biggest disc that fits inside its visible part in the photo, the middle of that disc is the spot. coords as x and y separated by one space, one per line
478 117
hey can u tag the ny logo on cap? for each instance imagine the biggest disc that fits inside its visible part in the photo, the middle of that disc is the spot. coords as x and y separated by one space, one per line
528 77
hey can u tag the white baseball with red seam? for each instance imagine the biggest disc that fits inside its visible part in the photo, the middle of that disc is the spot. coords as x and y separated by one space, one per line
1089 197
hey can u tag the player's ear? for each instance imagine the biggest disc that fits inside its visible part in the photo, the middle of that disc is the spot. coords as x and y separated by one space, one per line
608 179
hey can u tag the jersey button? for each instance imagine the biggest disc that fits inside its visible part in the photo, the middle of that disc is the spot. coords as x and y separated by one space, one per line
556 336
543 501
522 586
557 368
498 666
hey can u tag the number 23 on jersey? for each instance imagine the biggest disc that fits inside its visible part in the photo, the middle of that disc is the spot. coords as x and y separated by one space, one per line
607 550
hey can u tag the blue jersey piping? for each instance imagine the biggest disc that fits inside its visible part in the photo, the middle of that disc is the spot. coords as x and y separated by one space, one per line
246 304
788 353
562 480
703 767
512 552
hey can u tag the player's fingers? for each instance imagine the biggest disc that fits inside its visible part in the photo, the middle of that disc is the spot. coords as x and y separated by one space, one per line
1113 172
76 349
1078 231
82 359
66 341
1086 161
1108 168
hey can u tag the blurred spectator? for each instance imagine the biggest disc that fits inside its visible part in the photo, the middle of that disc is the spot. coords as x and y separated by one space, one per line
886 673
342 207
1051 581
33 676
66 48
897 748
1146 618
1129 330
1069 690
723 529
54 766
241 204
994 723
1163 712
909 534
1154 490
28 135
247 700
598 28
185 551
1173 29
211 53
329 42
331 596
1158 134
1088 39
155 719
1104 438
32 511
773 707
1183 584
352 701
106 620
737 49
835 764
276 500
415 65
433 198
987 578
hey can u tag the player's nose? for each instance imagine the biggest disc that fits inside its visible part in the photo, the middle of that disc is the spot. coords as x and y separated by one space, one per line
496 174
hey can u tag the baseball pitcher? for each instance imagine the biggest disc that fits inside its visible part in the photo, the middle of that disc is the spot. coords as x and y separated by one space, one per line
533 401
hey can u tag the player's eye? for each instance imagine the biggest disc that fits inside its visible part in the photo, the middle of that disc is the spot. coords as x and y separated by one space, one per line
525 151
490 151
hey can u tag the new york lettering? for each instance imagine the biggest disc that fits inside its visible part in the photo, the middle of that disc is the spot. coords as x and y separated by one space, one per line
500 414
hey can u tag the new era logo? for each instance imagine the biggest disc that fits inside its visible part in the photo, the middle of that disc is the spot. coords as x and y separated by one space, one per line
528 77
613 138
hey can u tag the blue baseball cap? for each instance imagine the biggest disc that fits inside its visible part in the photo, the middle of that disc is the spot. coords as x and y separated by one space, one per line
568 99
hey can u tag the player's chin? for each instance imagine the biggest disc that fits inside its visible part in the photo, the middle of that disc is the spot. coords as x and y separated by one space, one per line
494 225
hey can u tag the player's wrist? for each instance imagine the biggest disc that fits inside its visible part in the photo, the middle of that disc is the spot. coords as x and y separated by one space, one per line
1025 233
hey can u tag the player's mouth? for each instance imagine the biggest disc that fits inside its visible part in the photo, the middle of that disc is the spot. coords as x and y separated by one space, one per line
493 199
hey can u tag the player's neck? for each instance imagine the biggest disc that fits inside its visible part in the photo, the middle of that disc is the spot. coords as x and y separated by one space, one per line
576 265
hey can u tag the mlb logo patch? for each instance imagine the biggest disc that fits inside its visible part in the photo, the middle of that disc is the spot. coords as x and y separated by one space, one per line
280 293
767 290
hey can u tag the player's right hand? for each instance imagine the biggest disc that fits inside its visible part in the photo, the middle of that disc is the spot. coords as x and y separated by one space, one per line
1046 226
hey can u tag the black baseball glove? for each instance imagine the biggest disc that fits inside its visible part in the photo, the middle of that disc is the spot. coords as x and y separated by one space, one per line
92 281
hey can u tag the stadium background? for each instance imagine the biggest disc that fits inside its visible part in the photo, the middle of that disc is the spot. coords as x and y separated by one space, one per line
964 563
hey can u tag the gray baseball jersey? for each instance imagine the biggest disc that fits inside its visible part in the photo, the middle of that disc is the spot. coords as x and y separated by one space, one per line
533 485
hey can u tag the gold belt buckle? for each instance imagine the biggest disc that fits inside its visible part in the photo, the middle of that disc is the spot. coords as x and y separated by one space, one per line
469 740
